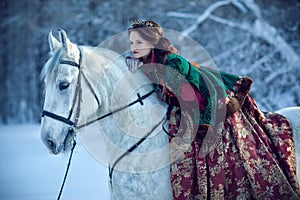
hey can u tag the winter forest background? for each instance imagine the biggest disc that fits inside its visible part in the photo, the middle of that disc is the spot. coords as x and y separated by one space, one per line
257 38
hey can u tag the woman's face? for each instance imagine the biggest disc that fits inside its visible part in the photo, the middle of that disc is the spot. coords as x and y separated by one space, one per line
140 47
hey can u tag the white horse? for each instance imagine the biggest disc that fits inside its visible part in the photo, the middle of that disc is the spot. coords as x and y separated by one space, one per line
98 79
83 83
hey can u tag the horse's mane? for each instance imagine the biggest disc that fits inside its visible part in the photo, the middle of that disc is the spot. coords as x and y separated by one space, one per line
101 59
50 68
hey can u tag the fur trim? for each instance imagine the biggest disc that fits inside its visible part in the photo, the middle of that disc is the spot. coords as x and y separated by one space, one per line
241 91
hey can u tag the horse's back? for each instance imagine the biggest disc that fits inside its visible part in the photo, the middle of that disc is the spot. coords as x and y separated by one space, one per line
293 115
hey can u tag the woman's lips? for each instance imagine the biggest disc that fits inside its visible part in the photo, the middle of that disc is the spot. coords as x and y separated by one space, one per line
135 52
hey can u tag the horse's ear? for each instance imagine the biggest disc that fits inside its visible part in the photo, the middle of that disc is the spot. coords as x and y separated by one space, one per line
54 44
66 43
63 38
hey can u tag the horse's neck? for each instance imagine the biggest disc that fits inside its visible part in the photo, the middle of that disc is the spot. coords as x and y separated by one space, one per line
117 87
115 84
96 66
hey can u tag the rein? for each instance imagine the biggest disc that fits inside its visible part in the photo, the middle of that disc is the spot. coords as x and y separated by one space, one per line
138 100
133 147
73 124
67 170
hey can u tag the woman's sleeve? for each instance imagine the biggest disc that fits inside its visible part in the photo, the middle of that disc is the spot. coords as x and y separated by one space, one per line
180 81
176 70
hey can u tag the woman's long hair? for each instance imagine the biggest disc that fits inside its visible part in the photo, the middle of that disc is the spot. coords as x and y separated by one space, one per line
152 32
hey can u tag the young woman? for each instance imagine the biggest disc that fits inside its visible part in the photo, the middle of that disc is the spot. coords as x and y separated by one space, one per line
222 145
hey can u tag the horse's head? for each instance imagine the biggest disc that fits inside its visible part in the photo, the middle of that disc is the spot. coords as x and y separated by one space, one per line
61 77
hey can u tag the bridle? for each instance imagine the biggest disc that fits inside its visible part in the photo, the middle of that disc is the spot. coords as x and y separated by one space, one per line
74 124
77 96
67 120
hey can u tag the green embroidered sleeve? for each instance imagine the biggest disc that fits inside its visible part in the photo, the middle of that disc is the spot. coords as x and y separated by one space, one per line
210 83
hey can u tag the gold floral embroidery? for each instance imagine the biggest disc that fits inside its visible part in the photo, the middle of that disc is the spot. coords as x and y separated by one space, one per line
252 158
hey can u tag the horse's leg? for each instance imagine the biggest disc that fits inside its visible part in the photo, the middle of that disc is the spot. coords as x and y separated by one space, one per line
293 115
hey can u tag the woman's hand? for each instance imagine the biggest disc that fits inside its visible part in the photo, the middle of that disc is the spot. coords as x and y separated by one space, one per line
133 64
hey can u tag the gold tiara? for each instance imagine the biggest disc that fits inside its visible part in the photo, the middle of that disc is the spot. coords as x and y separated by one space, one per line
142 24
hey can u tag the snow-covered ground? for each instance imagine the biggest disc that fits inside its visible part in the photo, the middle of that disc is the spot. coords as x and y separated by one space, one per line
29 172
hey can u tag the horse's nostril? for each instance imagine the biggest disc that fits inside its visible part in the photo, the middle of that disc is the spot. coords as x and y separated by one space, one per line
51 145
71 131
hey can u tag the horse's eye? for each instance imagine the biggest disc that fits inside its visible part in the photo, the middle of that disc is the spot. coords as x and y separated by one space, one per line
63 85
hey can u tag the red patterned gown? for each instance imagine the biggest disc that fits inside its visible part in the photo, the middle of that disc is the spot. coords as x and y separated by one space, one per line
251 157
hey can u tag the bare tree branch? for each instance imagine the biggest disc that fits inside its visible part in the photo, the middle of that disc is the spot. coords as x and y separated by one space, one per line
239 6
263 30
260 28
205 15
253 7
262 60
227 22
273 75
230 51
270 34
182 15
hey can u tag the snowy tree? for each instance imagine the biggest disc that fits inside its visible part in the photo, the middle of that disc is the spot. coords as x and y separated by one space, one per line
256 38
